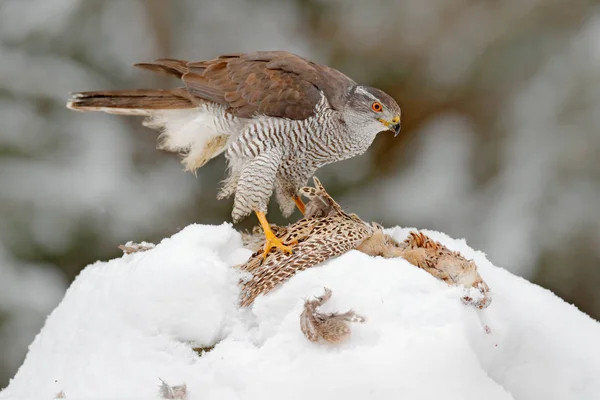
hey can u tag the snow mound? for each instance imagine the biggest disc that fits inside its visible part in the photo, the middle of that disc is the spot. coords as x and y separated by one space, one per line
128 327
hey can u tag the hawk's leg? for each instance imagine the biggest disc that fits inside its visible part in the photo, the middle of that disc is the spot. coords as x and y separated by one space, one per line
300 204
270 239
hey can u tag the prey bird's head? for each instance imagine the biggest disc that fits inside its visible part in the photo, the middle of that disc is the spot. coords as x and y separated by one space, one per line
372 110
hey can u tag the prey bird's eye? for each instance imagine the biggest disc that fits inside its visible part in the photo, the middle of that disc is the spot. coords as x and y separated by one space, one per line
377 107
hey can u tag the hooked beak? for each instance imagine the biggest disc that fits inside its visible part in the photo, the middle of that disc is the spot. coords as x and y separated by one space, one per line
393 125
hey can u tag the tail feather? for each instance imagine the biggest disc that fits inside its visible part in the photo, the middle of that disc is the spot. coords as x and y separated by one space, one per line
131 102
167 66
188 125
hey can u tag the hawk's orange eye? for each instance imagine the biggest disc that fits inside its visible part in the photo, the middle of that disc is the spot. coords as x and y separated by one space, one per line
377 107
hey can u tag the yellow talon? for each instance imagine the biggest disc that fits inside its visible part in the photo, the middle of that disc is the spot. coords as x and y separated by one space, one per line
270 239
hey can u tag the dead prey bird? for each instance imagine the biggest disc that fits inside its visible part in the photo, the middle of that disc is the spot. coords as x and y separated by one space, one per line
327 231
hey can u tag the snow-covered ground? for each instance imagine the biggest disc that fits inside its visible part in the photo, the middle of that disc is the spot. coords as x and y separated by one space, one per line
125 324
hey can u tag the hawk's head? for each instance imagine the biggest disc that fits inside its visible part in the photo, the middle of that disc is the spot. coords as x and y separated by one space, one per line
372 109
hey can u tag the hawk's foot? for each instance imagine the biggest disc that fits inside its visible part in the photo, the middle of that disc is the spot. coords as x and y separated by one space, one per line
270 239
273 241
300 204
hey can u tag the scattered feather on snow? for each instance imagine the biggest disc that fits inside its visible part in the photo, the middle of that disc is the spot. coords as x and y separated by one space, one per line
125 323
172 392
331 327
132 247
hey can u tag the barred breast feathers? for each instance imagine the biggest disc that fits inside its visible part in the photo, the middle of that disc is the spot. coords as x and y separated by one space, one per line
269 150
263 132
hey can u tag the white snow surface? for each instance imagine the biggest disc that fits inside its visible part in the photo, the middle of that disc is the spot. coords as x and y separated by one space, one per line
127 323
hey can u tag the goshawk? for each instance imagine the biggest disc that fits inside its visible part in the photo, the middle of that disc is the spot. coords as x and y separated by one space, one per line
277 116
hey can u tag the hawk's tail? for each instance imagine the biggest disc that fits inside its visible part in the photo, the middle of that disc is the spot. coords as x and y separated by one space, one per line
131 102
186 127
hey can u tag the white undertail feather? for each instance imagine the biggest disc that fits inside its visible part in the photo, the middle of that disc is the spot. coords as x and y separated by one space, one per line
198 134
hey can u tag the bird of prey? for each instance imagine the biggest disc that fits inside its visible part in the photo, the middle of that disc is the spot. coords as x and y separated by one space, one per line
327 232
332 327
278 117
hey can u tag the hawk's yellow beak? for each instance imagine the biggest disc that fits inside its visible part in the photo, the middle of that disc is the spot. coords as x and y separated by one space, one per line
393 125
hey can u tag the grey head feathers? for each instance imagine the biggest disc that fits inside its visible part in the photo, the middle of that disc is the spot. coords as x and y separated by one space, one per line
371 110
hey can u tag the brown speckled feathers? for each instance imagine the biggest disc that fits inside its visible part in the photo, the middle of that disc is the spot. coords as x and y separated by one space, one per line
315 239
449 266
331 327
327 231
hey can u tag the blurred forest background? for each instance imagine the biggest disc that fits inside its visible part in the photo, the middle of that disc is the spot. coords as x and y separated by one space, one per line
500 142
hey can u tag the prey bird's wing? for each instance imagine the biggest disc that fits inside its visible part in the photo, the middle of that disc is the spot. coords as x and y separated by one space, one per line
278 267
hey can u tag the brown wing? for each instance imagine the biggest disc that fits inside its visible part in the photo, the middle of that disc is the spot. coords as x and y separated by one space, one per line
272 83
